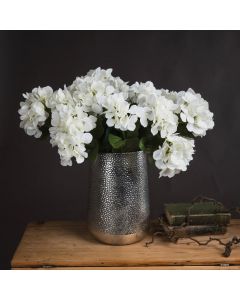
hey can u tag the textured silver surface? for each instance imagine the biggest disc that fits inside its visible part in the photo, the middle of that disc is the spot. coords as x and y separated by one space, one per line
119 201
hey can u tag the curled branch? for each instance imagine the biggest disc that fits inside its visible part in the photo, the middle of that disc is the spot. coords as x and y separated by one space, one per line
161 228
153 237
228 246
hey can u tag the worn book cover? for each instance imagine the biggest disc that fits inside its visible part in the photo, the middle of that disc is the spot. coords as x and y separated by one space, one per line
199 213
194 230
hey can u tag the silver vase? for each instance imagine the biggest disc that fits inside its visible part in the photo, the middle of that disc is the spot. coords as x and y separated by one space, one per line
119 203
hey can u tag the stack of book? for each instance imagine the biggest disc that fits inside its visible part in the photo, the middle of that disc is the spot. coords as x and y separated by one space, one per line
197 218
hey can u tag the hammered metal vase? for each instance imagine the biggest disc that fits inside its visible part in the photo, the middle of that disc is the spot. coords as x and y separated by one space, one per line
119 203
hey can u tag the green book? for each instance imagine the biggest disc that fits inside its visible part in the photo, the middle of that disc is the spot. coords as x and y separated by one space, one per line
198 213
194 230
176 232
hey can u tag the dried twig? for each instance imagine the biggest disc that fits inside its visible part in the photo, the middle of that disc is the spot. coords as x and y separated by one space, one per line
206 242
153 236
161 228
228 246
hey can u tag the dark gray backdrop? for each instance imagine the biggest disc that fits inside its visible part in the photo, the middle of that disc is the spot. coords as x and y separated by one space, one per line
33 184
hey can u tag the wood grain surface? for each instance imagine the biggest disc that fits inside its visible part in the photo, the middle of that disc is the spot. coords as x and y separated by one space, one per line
68 245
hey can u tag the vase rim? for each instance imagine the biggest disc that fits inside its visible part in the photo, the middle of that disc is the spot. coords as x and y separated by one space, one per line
120 153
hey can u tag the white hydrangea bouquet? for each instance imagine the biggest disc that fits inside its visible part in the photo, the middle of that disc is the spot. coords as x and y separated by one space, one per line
100 113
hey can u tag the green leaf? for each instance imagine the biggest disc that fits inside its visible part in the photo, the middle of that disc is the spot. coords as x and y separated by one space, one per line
131 145
93 149
146 145
98 131
133 134
92 155
182 129
142 143
115 141
104 145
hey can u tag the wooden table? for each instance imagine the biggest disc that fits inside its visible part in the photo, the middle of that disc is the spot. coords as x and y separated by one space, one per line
68 245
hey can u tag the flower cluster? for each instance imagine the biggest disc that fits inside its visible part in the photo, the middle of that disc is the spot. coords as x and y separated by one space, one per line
70 127
174 155
195 112
152 105
72 116
33 112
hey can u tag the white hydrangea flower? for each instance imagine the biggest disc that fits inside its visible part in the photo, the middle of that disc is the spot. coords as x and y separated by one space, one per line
140 93
94 88
60 97
33 112
70 128
174 97
174 155
143 113
118 114
164 120
152 105
195 112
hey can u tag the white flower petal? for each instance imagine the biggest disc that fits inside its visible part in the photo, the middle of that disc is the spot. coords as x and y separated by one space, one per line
157 155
